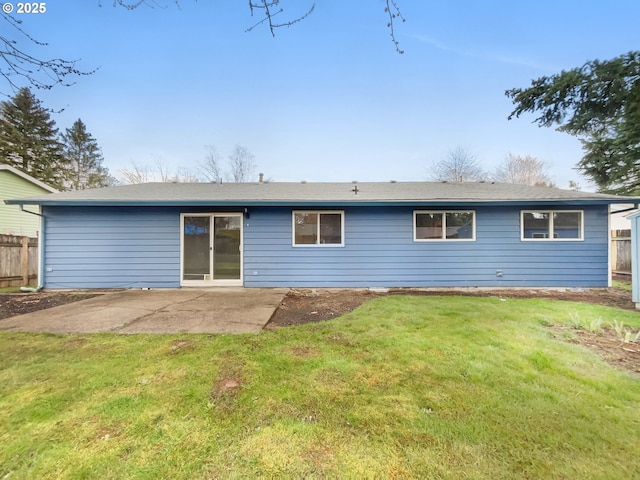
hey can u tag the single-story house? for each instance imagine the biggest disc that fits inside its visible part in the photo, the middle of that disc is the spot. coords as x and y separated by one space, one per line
14 184
394 234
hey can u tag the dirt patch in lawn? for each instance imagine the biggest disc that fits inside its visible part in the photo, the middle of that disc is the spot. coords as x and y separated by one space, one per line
607 345
12 304
302 306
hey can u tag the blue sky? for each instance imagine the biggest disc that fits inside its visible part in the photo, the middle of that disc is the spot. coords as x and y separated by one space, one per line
328 99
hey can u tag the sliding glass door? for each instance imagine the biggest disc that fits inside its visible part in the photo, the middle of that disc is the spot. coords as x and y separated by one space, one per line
211 249
226 247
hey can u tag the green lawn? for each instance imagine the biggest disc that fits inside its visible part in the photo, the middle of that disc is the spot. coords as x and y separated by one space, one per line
9 289
404 387
623 285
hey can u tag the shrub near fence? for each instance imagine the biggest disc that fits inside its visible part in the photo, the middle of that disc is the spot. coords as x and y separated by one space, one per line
18 261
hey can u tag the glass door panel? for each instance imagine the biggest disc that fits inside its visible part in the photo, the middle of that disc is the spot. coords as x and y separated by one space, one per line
226 247
197 248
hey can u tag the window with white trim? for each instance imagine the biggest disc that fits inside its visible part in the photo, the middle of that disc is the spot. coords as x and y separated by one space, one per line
548 225
444 225
318 228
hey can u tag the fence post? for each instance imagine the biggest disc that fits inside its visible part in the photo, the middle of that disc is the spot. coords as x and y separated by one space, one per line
24 260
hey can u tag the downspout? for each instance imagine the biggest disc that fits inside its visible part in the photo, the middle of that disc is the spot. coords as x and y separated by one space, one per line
635 293
40 252
609 249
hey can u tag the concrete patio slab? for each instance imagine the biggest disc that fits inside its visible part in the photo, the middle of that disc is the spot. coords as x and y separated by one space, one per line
215 310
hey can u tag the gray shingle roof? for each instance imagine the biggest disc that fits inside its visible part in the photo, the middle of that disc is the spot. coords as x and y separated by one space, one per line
316 194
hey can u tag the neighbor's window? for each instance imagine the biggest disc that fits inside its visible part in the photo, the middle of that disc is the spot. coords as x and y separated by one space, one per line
552 225
444 225
318 228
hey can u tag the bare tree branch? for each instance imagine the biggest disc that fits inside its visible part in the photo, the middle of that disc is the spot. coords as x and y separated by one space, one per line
394 13
163 170
211 169
136 174
459 166
160 172
242 164
523 170
184 175
265 6
16 65
135 4
271 8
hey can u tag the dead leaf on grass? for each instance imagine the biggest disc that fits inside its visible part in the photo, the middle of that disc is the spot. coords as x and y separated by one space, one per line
180 345
228 385
303 352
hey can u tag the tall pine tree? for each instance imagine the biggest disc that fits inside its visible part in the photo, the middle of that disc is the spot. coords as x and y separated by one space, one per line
84 158
29 139
599 103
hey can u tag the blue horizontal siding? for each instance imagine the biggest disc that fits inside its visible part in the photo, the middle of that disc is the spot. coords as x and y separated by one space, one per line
109 247
112 247
379 251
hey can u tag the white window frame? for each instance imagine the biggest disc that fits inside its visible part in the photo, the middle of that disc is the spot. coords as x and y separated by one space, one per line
212 281
550 237
316 245
444 226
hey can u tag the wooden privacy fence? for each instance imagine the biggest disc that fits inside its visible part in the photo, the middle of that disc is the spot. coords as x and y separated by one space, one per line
621 251
18 261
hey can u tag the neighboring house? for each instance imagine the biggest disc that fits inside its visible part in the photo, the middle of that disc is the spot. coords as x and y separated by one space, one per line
397 234
620 216
14 184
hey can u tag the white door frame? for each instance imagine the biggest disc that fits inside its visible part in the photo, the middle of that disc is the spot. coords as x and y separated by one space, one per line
212 281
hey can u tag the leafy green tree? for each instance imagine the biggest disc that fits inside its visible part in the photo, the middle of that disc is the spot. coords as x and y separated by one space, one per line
600 104
85 159
29 139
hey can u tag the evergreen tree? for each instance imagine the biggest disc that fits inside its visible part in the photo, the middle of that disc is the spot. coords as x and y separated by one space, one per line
29 139
84 159
600 104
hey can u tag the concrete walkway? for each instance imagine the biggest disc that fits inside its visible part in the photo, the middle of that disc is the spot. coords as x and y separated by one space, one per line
215 310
